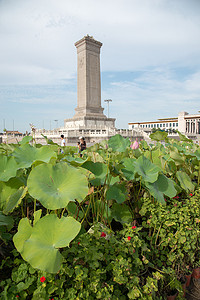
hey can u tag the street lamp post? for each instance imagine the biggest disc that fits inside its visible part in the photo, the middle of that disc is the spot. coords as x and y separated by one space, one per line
56 122
108 101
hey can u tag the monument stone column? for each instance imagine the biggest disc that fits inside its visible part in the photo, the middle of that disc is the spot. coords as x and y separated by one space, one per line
89 112
88 78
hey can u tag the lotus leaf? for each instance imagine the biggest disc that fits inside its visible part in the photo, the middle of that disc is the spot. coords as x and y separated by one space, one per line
37 215
11 194
117 192
99 156
112 180
98 169
74 161
73 211
26 140
118 143
157 158
184 138
23 234
49 141
55 186
26 155
178 158
121 213
146 169
163 186
39 245
136 152
197 154
6 221
8 168
185 181
15 199
129 171
158 135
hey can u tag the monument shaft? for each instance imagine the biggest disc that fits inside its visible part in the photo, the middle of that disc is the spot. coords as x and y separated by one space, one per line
88 78
89 112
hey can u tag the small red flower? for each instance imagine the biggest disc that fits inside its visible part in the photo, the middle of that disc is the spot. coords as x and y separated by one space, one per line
103 234
78 243
134 227
129 238
42 279
175 204
190 194
17 296
133 250
165 200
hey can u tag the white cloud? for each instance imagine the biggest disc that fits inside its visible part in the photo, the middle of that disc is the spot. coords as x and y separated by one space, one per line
153 37
139 33
153 94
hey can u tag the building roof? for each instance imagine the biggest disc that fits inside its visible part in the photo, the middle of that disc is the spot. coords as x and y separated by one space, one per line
13 132
156 122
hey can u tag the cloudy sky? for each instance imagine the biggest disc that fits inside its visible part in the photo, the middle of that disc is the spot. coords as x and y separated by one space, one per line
150 59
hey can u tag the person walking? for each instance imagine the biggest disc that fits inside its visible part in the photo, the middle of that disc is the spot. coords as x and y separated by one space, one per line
63 143
81 145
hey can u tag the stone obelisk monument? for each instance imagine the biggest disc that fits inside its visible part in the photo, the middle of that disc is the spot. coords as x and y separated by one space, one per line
89 112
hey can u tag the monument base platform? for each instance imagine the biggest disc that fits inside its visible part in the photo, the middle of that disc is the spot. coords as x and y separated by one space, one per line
89 123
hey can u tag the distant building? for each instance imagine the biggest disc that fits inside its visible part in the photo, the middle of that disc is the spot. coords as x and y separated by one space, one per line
185 123
11 136
13 133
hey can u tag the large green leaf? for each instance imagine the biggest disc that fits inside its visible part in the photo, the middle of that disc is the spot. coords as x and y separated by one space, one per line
185 181
121 213
146 169
100 171
118 143
178 158
26 155
26 140
117 192
157 158
129 171
15 199
23 234
158 135
8 168
163 186
74 161
11 194
184 138
197 154
49 141
39 245
55 186
6 221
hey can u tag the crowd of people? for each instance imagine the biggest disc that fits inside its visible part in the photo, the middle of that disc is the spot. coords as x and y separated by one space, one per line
81 144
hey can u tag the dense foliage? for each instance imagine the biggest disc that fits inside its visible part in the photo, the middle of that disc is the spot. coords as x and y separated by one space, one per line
117 223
